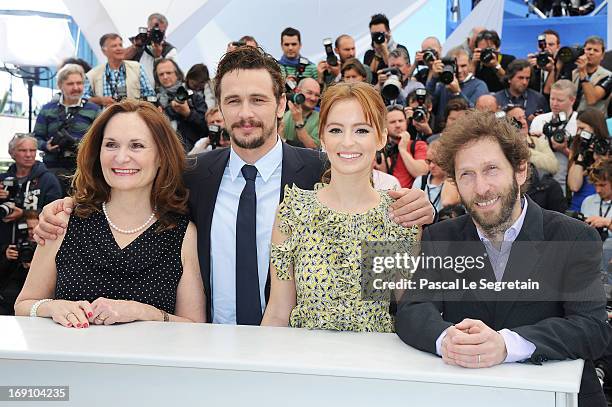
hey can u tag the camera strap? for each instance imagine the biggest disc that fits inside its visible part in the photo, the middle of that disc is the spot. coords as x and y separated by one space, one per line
67 115
113 80
605 215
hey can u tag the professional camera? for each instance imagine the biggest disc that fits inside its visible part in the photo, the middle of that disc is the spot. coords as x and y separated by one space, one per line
21 240
589 144
555 129
331 58
67 144
293 96
420 113
379 37
390 150
215 134
487 55
429 55
145 36
182 94
542 56
568 55
603 232
301 68
393 85
238 43
449 70
7 206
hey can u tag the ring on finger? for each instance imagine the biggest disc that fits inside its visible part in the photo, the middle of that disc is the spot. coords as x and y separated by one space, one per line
68 314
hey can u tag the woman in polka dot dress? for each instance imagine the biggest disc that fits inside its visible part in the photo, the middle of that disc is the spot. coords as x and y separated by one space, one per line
129 252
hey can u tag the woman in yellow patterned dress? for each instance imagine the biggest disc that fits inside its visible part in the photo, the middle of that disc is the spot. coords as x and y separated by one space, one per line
316 241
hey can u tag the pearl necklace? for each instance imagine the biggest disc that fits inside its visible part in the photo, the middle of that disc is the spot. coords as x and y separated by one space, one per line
124 231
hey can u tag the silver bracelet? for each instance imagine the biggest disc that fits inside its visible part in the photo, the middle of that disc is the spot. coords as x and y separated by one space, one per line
38 304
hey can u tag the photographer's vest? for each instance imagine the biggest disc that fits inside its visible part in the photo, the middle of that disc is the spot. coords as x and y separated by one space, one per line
132 79
594 78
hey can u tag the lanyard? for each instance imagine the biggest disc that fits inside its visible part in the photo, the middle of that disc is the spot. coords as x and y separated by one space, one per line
607 210
435 201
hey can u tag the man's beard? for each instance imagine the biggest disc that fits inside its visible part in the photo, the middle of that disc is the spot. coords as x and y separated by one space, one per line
493 225
251 141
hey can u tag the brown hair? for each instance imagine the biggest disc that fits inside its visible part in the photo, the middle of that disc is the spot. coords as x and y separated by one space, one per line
168 195
475 126
601 171
354 64
246 57
368 98
597 121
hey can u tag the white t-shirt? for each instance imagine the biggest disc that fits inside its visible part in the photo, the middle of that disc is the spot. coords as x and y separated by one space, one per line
147 61
537 127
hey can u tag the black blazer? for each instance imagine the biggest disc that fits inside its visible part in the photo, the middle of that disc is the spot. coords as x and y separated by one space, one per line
559 329
302 167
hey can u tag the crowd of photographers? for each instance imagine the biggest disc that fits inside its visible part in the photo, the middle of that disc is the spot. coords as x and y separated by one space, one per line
558 97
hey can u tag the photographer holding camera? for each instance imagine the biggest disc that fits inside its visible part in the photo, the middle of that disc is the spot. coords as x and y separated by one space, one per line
300 124
150 44
590 77
15 261
218 136
559 8
293 65
488 64
403 156
591 144
377 57
431 50
116 79
419 114
452 78
27 185
403 84
184 108
543 61
517 90
61 123
558 126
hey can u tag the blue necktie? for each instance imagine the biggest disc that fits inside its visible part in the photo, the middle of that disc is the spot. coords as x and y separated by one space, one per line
248 305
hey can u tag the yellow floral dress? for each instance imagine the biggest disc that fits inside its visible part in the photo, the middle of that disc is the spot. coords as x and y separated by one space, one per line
324 248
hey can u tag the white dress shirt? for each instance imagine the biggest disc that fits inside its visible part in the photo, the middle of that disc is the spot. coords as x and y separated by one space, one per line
223 229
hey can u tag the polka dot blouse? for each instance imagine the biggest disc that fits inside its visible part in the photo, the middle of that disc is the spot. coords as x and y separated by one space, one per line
90 264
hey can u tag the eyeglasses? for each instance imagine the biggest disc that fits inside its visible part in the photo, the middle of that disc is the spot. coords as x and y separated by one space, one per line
428 161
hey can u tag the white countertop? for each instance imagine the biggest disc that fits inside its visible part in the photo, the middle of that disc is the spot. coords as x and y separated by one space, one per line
265 349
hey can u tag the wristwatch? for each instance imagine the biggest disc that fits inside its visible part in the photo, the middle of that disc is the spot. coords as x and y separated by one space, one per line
583 80
300 125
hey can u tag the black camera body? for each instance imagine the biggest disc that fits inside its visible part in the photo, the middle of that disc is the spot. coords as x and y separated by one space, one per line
589 144
7 206
330 56
22 242
569 55
182 94
147 37
215 134
487 55
379 37
555 129
292 96
542 58
449 71
420 113
429 55
67 144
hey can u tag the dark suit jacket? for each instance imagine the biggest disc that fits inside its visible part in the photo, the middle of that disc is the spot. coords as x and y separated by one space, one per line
302 167
559 329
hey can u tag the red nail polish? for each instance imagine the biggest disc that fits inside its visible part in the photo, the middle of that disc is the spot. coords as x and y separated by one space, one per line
69 324
90 314
86 325
78 325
